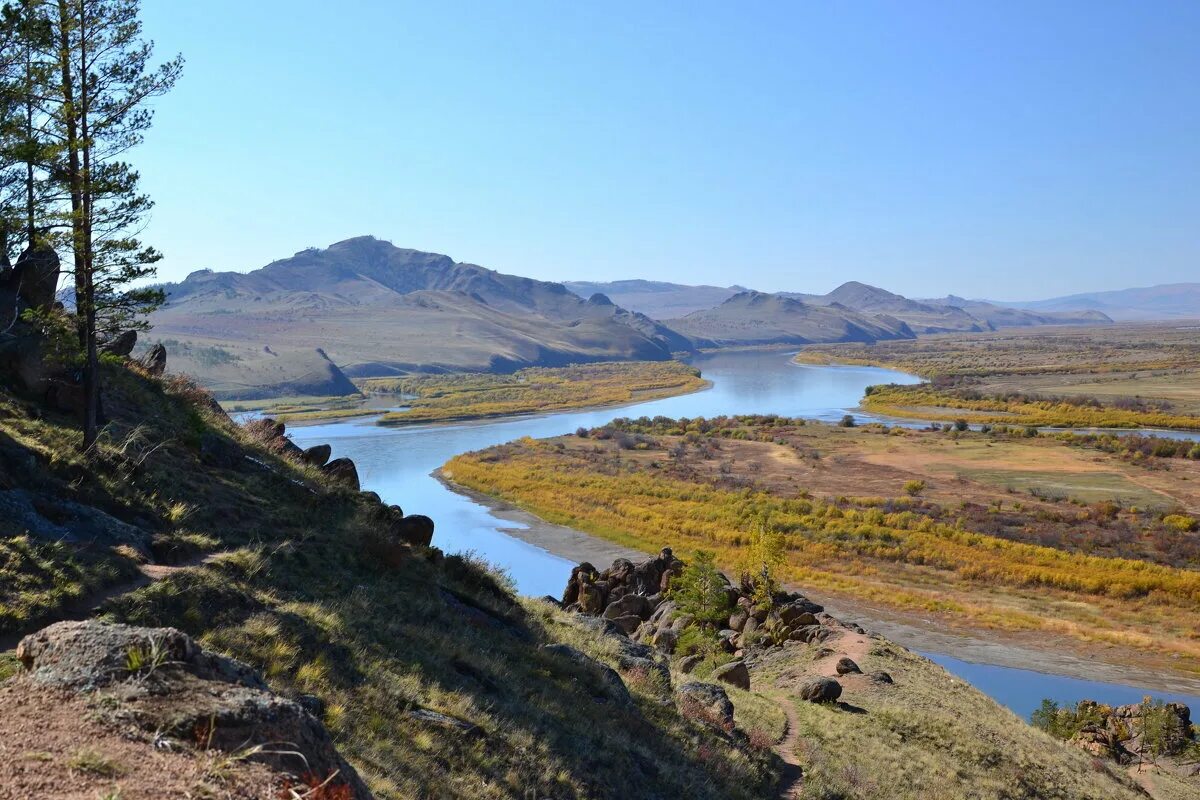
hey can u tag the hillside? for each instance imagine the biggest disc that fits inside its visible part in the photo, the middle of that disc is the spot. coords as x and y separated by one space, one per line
755 318
377 310
657 299
1165 301
947 315
431 677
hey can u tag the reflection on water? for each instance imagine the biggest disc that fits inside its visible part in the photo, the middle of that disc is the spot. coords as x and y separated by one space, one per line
1023 690
397 462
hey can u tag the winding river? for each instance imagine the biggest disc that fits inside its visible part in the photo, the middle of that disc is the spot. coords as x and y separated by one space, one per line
398 462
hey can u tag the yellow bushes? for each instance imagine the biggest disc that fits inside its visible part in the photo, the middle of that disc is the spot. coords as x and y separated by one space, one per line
925 402
476 395
901 558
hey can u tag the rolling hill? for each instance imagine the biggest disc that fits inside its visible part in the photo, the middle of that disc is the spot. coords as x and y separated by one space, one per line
376 309
657 299
756 318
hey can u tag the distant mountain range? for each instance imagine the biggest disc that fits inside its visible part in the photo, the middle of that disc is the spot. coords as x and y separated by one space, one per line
362 307
657 299
1165 301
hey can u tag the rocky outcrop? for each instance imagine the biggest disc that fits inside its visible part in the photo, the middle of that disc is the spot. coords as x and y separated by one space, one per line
48 517
158 686
1132 732
34 278
154 362
707 703
120 345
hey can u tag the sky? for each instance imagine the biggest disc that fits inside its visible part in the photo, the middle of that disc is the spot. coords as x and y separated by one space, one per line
1009 150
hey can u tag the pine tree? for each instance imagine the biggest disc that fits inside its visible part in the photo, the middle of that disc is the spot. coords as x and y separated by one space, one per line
103 82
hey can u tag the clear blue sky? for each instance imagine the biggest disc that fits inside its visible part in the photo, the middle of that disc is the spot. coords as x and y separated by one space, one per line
1005 149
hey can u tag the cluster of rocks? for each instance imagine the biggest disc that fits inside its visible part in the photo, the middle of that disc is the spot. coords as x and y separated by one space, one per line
410 529
1119 732
633 599
158 686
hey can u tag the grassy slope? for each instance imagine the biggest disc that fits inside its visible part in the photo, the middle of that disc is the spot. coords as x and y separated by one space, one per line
302 594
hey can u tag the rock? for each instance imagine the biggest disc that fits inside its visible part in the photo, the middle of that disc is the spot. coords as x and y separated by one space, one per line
749 627
663 611
343 471
666 640
120 345
318 455
796 616
630 604
160 681
416 529
737 620
591 598
734 673
459 726
820 690
614 687
807 634
584 573
627 623
647 667
219 451
707 703
680 622
879 676
689 663
46 516
845 666
35 276
154 362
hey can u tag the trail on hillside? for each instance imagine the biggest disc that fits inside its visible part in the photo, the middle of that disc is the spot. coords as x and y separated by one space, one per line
791 778
85 607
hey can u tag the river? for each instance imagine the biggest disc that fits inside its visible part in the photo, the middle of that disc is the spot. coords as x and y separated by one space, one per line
398 462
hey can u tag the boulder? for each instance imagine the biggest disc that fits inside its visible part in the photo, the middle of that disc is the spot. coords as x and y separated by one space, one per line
584 573
154 362
317 455
163 684
627 623
879 676
613 687
591 598
646 667
50 517
35 276
737 620
796 616
707 703
820 690
630 604
734 673
846 666
416 529
120 345
689 663
343 471
666 640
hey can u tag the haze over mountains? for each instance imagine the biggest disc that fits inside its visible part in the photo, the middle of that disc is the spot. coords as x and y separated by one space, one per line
363 307
1166 301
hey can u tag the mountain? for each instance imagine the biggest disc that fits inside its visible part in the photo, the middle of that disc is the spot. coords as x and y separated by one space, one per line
657 299
376 309
756 318
920 317
998 316
1164 301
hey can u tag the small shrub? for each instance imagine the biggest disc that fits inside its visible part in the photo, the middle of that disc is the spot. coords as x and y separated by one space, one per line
1180 522
848 421
914 488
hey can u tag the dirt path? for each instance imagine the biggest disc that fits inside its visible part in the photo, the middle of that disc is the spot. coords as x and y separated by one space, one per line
792 776
85 607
